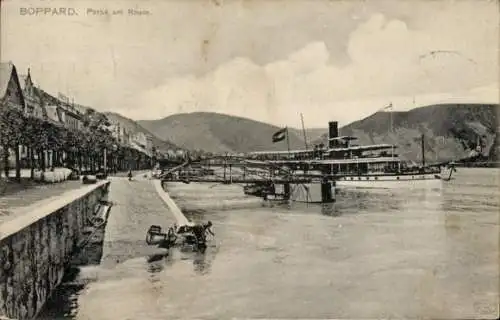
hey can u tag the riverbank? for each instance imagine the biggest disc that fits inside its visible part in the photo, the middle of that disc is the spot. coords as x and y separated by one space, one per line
38 242
492 165
431 254
112 289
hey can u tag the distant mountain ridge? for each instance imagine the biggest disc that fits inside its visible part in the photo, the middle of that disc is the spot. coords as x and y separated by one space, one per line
451 131
312 134
215 132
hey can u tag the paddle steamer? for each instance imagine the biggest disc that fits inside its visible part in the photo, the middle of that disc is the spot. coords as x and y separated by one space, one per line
368 166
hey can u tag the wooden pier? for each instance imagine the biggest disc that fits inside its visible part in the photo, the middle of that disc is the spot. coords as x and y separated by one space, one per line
266 180
237 170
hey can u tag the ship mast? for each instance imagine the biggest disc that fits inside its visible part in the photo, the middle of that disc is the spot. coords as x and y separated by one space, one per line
304 130
390 129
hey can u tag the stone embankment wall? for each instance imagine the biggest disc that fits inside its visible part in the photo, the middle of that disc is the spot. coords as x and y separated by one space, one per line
35 249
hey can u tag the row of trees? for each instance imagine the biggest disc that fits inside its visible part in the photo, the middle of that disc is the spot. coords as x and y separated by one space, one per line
83 150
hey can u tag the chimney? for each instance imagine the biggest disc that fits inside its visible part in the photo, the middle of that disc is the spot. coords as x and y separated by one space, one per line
333 132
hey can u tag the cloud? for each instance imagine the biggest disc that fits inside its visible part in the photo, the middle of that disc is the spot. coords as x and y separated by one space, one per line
388 61
263 60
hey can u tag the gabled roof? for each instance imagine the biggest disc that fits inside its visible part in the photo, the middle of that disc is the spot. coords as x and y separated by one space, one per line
23 78
7 71
53 114
49 99
80 108
5 75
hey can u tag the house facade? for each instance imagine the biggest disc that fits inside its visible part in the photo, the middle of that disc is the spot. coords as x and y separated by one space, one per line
149 143
139 138
120 133
72 119
33 108
33 100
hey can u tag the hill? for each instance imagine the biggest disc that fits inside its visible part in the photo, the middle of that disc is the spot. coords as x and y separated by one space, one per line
214 132
133 126
451 131
312 134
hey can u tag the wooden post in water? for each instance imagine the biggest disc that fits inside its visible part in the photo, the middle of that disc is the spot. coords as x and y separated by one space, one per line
225 166
286 191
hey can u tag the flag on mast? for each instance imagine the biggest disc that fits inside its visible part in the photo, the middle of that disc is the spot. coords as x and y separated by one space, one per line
388 107
280 135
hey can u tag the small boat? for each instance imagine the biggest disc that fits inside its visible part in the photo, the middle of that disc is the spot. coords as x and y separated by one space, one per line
258 189
182 235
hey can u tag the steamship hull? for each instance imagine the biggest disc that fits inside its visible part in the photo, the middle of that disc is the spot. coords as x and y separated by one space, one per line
355 166
428 180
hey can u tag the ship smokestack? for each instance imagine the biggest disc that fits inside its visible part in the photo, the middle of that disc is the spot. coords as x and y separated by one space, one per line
333 132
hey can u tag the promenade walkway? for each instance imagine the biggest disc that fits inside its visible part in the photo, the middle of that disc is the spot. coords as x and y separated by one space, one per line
14 201
124 266
136 206
27 193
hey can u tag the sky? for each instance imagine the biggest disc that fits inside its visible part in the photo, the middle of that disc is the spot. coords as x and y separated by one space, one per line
265 60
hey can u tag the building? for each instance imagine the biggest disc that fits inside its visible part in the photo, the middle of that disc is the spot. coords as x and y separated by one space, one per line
72 119
53 115
34 104
71 115
149 143
120 133
138 141
11 94
115 129
34 107
139 138
62 112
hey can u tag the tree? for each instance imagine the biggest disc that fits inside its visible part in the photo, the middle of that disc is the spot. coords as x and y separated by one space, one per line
11 127
34 138
98 138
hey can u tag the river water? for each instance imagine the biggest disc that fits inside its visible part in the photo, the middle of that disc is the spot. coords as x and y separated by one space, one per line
373 254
